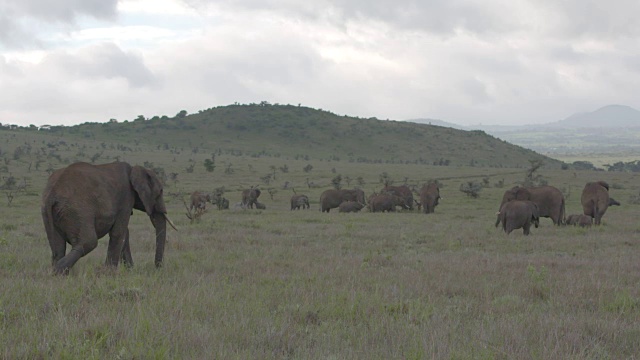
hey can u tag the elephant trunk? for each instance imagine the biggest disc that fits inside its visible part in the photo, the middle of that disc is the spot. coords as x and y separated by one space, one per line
160 223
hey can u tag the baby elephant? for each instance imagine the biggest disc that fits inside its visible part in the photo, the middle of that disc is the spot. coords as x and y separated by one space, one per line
579 220
516 214
350 206
298 201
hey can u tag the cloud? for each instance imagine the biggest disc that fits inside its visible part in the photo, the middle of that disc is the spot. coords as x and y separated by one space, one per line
19 17
497 61
104 60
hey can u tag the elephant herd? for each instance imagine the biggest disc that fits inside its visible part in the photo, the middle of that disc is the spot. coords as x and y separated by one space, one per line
522 207
84 202
387 200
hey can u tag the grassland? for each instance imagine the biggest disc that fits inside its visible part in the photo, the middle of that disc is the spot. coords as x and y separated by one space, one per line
275 283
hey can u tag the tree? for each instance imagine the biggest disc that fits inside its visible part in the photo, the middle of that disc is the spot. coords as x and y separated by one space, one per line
336 182
209 165
471 188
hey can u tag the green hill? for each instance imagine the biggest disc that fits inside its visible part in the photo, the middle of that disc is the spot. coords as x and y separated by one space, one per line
302 132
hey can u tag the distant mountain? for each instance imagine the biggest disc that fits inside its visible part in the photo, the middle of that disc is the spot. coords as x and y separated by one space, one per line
610 116
612 129
437 122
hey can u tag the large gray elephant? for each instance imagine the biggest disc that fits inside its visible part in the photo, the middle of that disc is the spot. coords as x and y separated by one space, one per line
403 191
350 206
298 201
250 197
386 202
518 214
549 199
199 200
82 203
429 197
595 200
330 199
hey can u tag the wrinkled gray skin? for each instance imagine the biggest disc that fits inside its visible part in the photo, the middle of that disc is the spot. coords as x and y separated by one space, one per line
82 203
595 200
402 191
199 200
331 199
350 206
549 199
518 214
298 201
250 197
386 202
429 197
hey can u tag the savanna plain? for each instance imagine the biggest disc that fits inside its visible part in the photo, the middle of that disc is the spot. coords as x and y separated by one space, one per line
276 283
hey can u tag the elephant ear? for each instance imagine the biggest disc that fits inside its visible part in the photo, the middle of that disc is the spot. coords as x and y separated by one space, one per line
257 193
142 181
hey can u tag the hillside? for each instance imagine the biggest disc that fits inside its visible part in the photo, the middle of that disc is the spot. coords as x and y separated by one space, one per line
302 132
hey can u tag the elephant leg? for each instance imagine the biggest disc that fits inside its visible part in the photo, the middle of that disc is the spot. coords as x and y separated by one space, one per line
58 246
126 252
117 240
81 247
526 228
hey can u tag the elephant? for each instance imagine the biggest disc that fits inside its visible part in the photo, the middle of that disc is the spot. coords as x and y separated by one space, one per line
332 198
386 202
403 191
83 202
222 203
516 214
595 200
350 206
585 221
250 197
579 220
299 200
572 219
429 197
260 206
199 200
549 199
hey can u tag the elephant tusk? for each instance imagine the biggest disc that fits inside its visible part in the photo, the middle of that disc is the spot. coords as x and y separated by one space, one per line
170 222
498 213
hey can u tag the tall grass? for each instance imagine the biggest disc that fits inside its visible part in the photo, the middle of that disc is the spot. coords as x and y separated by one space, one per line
275 283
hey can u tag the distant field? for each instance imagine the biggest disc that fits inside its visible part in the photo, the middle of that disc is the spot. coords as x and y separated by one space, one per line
599 146
598 160
275 283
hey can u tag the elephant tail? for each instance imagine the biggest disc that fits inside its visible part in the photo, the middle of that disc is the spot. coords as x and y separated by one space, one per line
55 238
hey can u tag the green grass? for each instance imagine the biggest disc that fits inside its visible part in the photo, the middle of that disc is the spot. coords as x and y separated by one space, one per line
275 283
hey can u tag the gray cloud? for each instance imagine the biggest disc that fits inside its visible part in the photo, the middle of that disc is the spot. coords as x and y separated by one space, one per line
496 61
19 16
104 61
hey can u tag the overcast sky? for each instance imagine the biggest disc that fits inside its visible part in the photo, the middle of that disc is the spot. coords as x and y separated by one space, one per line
463 61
